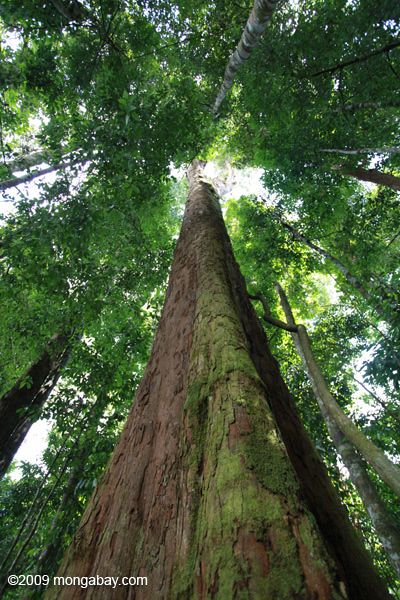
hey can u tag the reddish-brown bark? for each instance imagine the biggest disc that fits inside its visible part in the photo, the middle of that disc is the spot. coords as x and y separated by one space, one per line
200 495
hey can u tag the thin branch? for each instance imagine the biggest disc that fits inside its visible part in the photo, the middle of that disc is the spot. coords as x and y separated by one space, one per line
383 150
391 412
393 239
357 60
367 105
10 183
269 318
391 67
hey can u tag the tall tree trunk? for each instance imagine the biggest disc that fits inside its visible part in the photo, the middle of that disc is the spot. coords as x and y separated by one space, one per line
255 26
383 523
200 495
18 405
373 176
10 183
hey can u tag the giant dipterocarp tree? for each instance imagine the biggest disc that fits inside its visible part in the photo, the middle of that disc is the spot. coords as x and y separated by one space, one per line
215 490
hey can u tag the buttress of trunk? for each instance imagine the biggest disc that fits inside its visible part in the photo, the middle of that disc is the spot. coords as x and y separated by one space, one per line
382 521
18 405
373 176
200 495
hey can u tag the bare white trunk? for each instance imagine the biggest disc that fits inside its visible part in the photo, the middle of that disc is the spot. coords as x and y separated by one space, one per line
388 471
384 525
255 26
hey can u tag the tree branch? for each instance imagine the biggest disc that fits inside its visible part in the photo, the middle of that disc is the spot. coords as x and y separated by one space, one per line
383 150
13 182
359 59
269 318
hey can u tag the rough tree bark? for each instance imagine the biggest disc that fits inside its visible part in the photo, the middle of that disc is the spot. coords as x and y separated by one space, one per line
18 404
372 176
200 495
382 521
255 26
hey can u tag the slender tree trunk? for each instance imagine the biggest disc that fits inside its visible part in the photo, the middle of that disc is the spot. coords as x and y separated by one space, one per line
388 471
200 495
383 523
18 405
373 176
10 183
34 524
34 507
43 496
255 27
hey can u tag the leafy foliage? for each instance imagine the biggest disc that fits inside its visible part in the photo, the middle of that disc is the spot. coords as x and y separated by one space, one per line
118 91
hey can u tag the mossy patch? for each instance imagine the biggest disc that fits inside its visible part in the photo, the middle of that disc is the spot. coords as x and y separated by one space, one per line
242 544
